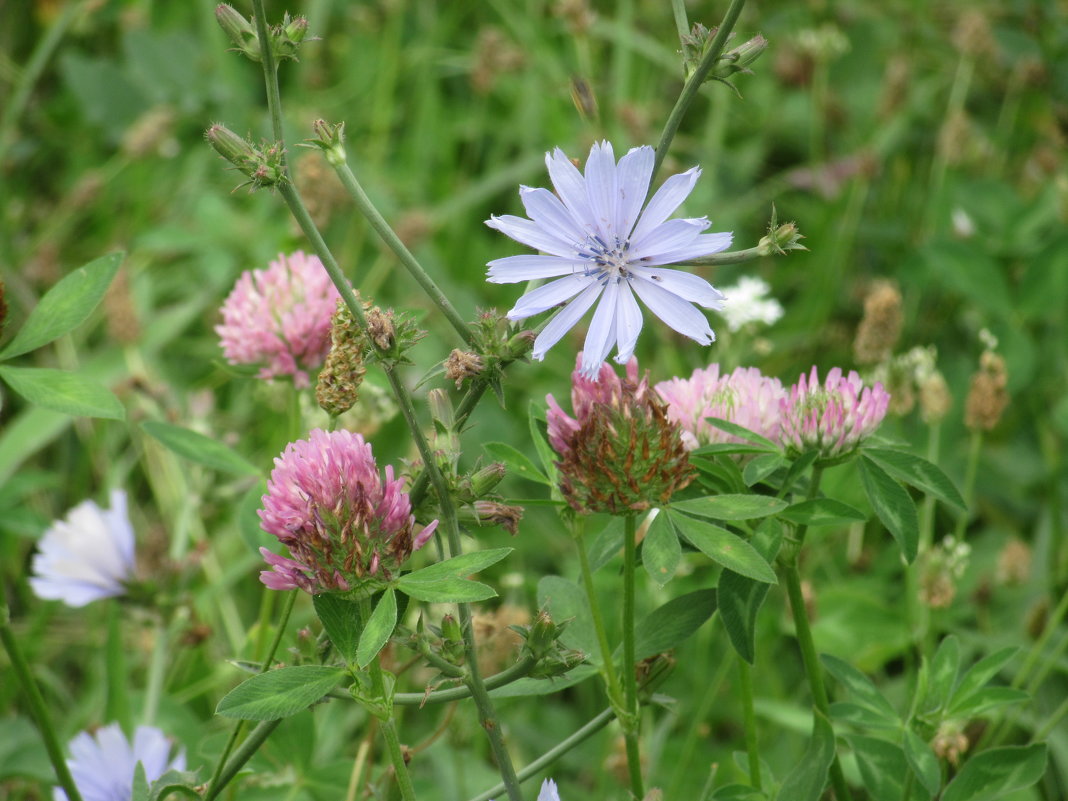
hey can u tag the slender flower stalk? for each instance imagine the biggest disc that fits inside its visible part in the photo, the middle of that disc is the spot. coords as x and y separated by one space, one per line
752 748
632 720
803 632
693 83
389 729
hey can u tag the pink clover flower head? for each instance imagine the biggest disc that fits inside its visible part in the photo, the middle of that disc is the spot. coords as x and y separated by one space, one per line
619 453
280 318
600 245
102 764
744 396
87 556
833 417
345 527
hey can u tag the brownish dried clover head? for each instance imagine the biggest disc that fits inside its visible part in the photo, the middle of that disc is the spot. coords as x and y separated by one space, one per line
620 453
987 396
461 365
342 374
880 328
380 327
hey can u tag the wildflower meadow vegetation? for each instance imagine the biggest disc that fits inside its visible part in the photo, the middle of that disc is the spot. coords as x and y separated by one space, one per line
555 399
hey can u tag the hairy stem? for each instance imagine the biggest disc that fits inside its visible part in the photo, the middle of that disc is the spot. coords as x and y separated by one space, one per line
389 729
608 665
507 676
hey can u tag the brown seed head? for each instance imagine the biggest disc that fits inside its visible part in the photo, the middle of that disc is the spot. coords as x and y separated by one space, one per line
987 396
461 365
880 327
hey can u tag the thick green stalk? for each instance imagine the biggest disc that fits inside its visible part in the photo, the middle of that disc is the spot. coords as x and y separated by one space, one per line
393 242
751 747
610 676
693 84
389 730
33 698
256 738
553 754
813 670
632 721
812 664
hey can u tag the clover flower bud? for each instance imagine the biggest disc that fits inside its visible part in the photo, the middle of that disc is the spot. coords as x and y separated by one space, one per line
935 398
833 417
339 380
620 453
347 529
452 641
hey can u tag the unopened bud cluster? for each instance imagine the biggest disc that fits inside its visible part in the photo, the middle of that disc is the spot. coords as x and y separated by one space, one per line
285 39
696 43
780 239
542 641
263 165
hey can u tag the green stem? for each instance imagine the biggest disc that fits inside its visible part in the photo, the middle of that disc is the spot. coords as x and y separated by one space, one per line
693 84
118 701
220 778
157 671
632 720
918 614
389 730
393 242
751 746
270 74
33 698
608 664
812 664
733 257
971 472
257 737
507 676
792 578
550 756
1057 716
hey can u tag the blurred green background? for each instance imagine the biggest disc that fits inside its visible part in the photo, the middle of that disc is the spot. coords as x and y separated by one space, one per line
919 142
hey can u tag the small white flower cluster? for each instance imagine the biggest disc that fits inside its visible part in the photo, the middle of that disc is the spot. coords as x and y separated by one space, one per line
748 302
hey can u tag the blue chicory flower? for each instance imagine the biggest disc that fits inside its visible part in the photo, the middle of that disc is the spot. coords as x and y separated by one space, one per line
595 234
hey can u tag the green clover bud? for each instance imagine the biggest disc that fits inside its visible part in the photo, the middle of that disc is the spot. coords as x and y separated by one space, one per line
452 641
